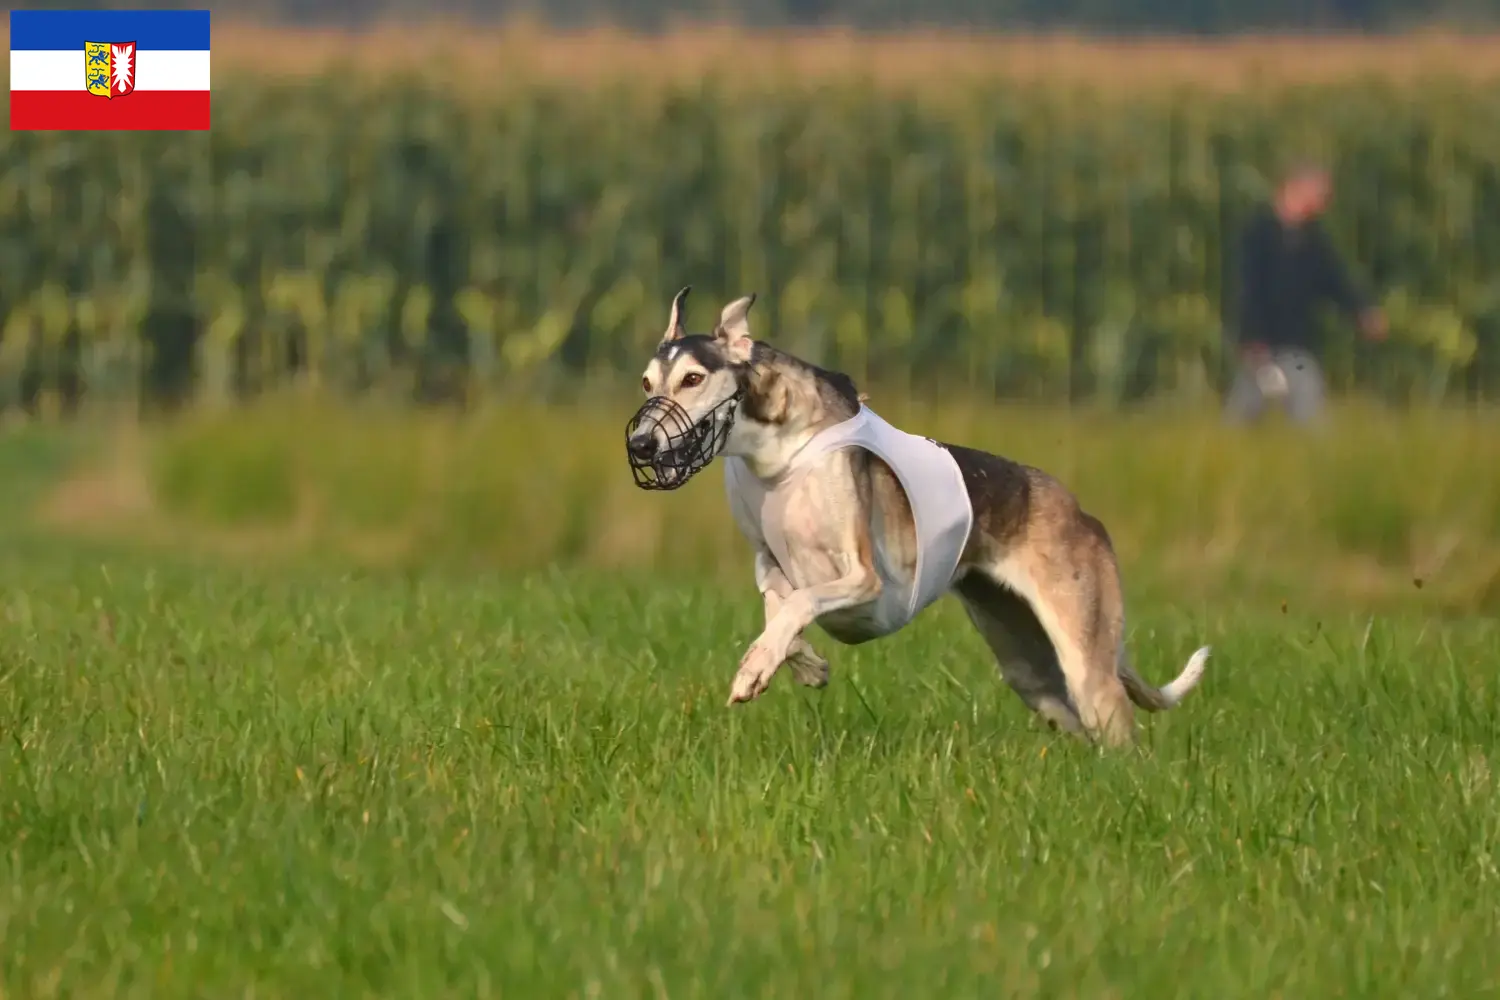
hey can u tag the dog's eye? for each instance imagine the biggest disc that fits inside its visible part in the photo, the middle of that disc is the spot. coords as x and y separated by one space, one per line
691 379
646 384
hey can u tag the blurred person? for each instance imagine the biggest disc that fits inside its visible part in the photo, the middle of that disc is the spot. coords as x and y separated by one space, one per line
1287 268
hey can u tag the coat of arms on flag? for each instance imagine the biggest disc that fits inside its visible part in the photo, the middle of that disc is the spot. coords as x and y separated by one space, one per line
110 68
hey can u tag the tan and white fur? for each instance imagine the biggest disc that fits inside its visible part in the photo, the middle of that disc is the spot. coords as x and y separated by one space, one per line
1038 576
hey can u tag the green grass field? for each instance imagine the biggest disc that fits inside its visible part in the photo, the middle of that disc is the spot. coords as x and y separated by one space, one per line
225 772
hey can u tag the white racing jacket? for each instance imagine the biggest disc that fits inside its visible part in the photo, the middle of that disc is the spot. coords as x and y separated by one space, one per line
934 487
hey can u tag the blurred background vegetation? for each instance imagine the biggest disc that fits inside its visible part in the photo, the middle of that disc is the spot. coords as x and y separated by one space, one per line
364 231
1384 513
1032 234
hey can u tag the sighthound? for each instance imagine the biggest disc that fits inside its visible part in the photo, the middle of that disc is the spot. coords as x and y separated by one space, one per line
858 526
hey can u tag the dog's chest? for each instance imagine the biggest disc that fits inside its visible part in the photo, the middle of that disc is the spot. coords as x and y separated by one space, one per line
804 522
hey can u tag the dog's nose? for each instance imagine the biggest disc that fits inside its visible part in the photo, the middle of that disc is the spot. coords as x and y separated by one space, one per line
643 448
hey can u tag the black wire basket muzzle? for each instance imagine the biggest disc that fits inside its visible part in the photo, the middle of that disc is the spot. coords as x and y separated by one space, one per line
667 448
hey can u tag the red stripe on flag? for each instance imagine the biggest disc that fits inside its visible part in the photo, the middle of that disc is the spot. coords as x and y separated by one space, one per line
78 110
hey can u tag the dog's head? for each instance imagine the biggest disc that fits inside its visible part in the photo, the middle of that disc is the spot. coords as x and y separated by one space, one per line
700 371
694 384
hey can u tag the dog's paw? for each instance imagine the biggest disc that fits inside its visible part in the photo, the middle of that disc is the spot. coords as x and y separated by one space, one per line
754 676
809 668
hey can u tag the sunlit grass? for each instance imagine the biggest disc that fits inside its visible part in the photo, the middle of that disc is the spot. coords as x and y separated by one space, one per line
304 782
320 775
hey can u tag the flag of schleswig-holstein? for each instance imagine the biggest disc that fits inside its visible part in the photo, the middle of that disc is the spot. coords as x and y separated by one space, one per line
85 70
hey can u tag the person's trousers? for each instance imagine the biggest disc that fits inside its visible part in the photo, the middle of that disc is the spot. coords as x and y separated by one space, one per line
1290 377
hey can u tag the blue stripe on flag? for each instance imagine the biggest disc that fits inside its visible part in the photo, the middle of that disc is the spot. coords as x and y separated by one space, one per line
61 30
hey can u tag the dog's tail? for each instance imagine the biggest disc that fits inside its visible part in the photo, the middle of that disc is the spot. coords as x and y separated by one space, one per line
1168 695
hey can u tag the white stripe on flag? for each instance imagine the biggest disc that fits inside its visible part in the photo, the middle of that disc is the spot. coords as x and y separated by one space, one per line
155 70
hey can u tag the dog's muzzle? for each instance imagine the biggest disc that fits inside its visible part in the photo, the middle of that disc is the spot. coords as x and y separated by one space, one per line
666 448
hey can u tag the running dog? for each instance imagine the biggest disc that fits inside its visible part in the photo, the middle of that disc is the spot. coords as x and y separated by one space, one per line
858 526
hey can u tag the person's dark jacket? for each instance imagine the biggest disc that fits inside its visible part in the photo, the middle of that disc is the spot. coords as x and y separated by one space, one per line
1285 272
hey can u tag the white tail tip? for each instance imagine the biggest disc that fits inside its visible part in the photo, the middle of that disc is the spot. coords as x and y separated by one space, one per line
1178 689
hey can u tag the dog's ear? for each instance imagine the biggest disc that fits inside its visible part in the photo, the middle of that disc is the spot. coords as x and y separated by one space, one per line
675 328
733 331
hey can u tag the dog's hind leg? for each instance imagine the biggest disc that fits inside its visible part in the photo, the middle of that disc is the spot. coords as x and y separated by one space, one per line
1024 653
1061 591
1072 586
1031 540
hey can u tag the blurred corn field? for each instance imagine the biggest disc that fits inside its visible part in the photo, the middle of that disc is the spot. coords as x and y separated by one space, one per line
1016 240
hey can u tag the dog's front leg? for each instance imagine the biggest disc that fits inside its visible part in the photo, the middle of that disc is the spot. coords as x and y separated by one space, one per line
798 610
810 668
